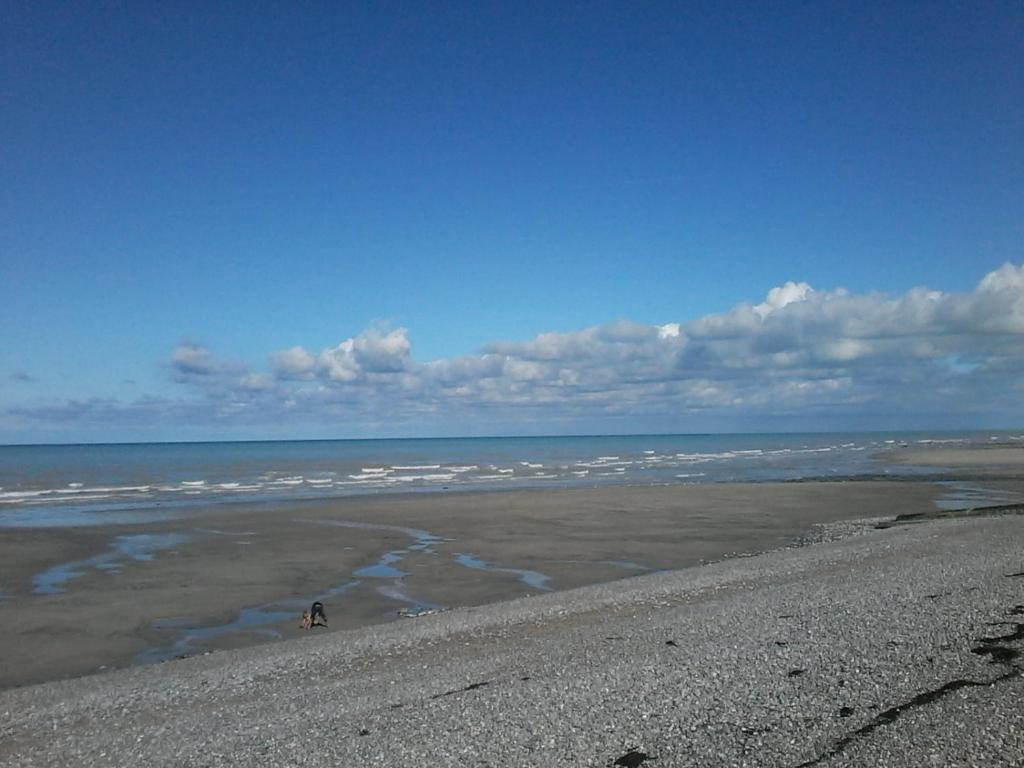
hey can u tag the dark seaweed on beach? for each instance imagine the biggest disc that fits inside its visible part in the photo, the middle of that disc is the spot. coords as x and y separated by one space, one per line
632 759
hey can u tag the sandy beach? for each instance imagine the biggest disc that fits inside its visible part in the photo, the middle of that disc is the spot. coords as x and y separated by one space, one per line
86 600
995 459
896 647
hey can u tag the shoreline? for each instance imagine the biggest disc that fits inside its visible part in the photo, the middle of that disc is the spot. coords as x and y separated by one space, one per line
857 651
173 478
240 576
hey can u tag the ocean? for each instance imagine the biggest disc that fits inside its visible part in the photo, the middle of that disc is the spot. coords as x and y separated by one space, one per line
59 485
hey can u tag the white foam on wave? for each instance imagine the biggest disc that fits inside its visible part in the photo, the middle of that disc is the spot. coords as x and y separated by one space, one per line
429 478
229 487
607 458
696 458
15 496
415 467
460 470
691 474
531 465
375 471
493 477
193 483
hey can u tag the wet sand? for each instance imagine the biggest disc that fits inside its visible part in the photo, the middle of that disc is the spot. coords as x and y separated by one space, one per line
998 457
82 600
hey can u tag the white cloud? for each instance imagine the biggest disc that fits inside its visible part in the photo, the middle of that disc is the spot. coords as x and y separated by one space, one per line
799 353
193 359
294 363
782 296
256 382
372 352
799 348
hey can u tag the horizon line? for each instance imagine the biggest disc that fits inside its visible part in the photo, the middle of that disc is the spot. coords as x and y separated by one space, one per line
507 437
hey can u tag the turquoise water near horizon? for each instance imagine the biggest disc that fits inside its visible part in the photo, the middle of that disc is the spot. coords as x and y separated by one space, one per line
103 483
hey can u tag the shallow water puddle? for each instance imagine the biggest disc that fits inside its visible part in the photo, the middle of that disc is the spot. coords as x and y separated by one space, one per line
534 579
256 620
384 568
968 496
424 542
138 548
259 620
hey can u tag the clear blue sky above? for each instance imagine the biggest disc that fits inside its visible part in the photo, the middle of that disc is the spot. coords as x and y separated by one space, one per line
189 189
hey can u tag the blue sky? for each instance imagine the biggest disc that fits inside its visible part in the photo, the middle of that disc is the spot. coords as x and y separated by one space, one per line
189 191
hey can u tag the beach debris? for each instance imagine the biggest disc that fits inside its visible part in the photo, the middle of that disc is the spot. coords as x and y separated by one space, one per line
415 613
470 687
1000 654
673 643
796 672
893 713
993 646
633 759
845 711
996 646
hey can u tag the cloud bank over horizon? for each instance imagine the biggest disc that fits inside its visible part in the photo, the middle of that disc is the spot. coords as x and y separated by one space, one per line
800 357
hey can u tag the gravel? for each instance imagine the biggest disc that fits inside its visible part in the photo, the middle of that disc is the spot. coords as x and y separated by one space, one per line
868 650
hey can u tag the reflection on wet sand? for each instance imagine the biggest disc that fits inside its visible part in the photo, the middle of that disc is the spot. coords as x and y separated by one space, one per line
261 619
258 620
192 635
534 579
138 548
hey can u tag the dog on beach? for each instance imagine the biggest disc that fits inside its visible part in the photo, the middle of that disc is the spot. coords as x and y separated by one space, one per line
314 617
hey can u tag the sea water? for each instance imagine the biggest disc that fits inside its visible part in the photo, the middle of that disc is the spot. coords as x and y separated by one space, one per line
58 485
